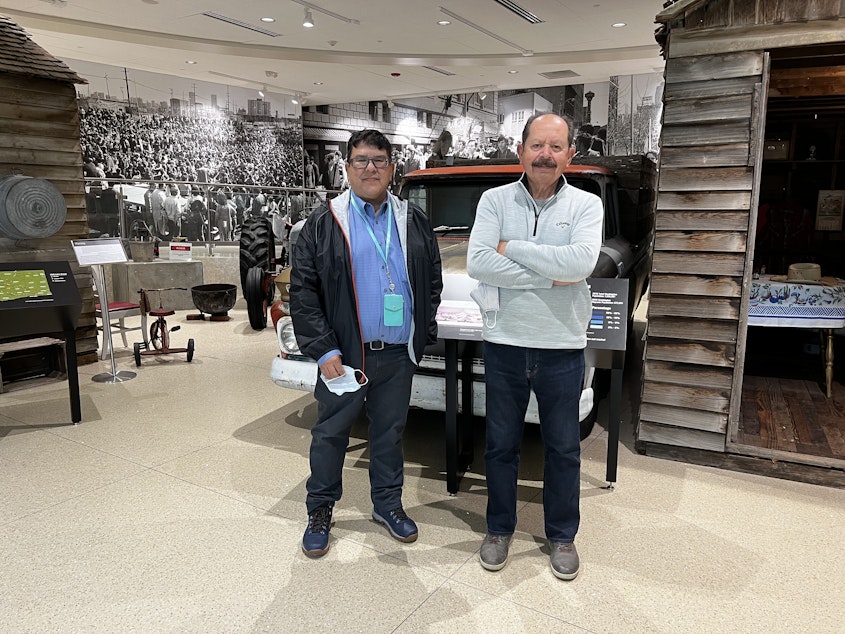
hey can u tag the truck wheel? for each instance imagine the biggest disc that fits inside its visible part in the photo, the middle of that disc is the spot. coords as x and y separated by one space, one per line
257 247
256 298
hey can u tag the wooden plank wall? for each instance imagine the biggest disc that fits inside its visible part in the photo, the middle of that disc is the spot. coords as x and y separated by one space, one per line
39 137
702 220
723 13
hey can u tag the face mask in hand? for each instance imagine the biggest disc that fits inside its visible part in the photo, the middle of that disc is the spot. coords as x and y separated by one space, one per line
345 383
487 298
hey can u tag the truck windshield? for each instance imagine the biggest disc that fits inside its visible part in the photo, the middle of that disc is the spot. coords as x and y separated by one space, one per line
450 205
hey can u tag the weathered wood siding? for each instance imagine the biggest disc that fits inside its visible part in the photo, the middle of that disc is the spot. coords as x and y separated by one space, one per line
715 96
39 137
704 202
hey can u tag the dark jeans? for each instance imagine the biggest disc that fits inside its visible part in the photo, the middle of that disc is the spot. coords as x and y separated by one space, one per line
556 376
386 396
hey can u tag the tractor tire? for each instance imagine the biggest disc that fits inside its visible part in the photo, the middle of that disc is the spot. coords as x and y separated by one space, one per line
256 297
257 247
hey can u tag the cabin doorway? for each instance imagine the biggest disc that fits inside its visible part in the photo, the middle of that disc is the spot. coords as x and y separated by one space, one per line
786 411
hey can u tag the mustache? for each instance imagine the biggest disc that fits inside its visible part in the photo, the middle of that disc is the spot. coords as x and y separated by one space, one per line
544 162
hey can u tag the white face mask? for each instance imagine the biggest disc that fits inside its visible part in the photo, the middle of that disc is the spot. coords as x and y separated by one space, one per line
347 382
487 298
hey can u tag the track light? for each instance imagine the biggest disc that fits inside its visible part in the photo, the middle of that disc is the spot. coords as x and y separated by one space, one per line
482 95
308 22
261 94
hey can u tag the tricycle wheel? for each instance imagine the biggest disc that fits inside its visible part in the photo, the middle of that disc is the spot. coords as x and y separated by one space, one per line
256 298
190 350
137 355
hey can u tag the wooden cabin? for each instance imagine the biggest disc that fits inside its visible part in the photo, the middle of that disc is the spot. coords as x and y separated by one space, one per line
39 137
753 120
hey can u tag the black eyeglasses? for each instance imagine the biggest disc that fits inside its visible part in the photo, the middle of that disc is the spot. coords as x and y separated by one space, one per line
361 162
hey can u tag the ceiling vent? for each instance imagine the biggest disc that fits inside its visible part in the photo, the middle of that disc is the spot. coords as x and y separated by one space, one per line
522 12
559 74
243 25
439 70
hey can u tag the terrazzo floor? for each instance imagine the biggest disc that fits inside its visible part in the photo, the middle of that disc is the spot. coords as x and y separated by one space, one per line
177 505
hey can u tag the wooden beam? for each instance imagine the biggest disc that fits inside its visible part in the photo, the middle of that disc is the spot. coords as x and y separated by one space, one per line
701 221
723 286
705 179
687 306
732 264
717 241
686 43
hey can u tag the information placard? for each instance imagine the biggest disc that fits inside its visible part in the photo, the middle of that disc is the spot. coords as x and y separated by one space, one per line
608 327
100 251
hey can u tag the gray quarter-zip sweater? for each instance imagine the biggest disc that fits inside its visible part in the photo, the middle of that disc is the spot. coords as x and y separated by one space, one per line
554 240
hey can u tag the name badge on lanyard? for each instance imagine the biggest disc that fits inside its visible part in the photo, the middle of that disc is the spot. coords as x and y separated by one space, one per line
393 309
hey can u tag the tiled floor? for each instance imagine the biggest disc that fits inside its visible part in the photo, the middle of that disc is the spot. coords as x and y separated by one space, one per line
178 506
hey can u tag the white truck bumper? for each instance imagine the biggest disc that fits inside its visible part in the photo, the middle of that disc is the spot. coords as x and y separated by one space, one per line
427 392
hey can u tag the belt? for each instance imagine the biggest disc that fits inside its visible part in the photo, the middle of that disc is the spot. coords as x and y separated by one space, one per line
377 346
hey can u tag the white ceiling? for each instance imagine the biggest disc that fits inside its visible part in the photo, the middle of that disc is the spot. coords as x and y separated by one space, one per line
353 61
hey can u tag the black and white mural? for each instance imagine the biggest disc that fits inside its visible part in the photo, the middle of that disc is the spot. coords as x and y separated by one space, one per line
227 153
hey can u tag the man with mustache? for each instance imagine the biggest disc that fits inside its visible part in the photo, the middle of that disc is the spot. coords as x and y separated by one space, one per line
532 245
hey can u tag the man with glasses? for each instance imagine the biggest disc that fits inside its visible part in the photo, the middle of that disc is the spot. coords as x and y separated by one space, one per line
365 286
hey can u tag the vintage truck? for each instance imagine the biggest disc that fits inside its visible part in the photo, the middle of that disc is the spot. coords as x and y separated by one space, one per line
449 195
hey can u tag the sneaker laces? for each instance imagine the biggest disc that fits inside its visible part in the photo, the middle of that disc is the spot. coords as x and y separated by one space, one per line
497 539
399 514
318 521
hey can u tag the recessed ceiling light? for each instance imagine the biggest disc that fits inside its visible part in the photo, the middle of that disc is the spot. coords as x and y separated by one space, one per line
268 19
512 72
190 61
619 25
318 83
444 22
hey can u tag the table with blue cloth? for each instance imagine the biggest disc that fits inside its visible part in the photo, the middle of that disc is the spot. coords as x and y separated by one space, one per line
779 302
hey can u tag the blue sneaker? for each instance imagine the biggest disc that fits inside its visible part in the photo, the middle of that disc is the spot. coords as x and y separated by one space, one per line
315 541
399 524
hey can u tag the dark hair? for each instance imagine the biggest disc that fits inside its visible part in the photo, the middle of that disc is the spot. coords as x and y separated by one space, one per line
373 138
569 125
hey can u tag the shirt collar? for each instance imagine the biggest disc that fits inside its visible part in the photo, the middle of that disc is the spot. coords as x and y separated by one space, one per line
369 210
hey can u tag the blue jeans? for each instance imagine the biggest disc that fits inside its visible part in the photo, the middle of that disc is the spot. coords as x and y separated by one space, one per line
385 397
556 376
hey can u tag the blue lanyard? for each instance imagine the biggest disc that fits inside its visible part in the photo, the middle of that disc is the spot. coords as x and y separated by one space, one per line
383 253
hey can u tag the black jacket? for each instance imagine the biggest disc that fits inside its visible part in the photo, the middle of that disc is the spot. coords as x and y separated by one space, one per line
323 302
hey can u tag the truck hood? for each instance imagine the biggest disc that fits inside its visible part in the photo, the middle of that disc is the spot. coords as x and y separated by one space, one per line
453 255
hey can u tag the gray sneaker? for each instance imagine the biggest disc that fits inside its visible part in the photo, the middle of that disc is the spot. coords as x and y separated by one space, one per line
494 551
564 560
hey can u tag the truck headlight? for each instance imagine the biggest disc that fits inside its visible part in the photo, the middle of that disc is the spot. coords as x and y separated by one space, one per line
286 336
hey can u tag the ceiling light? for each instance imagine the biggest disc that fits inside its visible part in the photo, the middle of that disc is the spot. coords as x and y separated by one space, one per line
619 25
261 93
308 22
331 14
190 61
318 83
482 95
512 72
268 19
443 22
294 100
